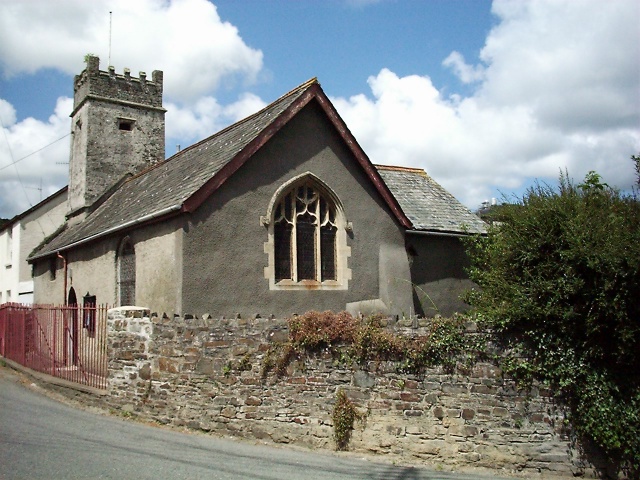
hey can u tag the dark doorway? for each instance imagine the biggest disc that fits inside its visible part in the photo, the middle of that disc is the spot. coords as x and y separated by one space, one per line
72 330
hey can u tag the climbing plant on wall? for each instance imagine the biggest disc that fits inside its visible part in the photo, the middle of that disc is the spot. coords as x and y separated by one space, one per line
560 289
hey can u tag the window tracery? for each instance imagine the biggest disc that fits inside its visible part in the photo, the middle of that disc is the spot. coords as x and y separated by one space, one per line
308 240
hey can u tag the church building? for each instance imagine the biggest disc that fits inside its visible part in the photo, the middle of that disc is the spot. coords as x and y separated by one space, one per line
280 213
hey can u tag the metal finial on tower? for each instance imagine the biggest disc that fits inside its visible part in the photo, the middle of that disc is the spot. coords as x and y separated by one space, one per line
110 17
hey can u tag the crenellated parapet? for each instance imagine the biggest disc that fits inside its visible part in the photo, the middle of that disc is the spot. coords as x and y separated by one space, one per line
111 86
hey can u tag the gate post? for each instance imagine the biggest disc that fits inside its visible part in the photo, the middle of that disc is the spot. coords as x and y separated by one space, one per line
129 331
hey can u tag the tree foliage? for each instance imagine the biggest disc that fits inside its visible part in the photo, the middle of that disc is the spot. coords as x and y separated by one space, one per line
560 289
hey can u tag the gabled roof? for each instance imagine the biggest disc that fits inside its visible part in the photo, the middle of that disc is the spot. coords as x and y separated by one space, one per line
184 181
429 206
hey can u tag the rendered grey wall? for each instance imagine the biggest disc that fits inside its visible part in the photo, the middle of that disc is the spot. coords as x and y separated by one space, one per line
89 269
438 274
38 225
224 257
92 268
46 290
158 250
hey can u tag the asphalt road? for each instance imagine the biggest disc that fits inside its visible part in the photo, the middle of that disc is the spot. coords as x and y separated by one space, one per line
42 438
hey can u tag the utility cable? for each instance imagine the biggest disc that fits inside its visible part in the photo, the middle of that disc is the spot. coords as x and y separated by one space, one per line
32 153
24 189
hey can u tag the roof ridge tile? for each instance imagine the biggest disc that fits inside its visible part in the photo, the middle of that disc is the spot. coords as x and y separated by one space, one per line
420 171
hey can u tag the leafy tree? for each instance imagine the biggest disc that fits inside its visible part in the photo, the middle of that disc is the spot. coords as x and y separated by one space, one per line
560 290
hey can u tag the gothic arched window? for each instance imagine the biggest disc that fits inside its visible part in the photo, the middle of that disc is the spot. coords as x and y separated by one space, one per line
308 240
126 273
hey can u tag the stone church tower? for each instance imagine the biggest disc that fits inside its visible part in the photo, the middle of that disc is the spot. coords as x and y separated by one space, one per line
117 130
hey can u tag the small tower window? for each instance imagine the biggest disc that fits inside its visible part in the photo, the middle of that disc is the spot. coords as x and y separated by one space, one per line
125 124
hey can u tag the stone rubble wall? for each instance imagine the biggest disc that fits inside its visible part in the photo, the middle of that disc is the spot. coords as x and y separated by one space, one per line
207 374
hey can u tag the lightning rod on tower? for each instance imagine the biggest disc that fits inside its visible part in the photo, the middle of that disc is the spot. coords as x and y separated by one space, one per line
110 17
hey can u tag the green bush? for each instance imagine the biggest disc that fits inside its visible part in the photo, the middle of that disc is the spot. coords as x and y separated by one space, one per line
560 289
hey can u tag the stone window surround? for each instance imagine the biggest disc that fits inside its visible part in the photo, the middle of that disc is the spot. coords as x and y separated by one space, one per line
343 251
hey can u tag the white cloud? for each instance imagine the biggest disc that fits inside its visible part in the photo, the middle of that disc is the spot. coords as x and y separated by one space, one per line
185 38
574 63
556 86
558 89
34 156
7 113
206 116
246 105
465 72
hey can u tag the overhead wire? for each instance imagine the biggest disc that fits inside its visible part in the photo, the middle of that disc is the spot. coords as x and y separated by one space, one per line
4 132
32 153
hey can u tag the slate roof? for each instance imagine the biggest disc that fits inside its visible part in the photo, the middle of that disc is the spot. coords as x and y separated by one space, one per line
429 206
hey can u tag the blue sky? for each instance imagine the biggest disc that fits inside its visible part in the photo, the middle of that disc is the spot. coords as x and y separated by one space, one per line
486 96
346 42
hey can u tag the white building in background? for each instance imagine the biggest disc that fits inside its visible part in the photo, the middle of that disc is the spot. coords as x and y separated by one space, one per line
18 237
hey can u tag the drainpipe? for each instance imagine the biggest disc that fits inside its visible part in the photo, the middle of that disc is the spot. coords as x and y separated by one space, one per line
64 262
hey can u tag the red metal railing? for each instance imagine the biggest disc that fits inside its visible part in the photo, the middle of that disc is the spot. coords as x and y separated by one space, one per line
67 342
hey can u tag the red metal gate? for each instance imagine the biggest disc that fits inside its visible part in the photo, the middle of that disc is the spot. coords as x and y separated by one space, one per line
67 342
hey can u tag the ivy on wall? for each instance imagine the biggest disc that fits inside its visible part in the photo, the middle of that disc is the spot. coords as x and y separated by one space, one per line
359 342
560 290
355 342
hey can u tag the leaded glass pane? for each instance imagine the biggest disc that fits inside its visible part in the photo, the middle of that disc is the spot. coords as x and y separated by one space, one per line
328 252
305 247
323 210
127 275
305 211
288 206
282 238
